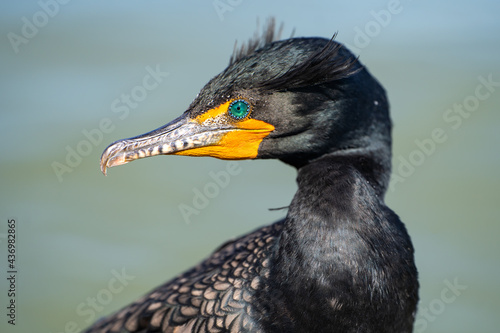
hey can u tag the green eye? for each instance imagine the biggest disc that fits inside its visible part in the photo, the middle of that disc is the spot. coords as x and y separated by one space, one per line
239 109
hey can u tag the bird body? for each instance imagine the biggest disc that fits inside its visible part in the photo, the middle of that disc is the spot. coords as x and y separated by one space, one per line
341 260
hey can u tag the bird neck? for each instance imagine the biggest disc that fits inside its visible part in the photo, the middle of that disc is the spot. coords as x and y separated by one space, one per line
333 227
334 200
373 162
371 159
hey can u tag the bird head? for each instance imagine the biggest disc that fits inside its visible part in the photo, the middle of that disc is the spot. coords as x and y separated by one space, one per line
294 100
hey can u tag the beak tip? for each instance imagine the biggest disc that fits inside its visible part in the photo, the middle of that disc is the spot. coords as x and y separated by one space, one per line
112 156
105 159
104 167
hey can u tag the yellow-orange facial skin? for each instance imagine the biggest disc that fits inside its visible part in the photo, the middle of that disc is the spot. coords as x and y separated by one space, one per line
240 142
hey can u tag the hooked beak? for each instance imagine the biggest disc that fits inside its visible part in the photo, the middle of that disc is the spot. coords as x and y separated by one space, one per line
177 135
211 135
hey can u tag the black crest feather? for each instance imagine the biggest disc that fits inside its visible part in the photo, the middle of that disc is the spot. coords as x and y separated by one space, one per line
332 62
329 63
269 35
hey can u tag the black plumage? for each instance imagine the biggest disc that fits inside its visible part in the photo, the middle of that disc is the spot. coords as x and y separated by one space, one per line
341 260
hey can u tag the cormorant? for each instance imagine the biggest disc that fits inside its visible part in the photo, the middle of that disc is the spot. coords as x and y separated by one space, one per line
341 260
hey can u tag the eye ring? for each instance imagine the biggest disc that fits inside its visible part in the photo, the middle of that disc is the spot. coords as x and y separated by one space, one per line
239 109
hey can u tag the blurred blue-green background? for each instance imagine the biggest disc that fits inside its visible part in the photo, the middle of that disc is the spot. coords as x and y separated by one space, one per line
65 69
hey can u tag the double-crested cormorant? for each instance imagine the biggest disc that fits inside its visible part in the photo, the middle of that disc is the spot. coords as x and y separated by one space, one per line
341 260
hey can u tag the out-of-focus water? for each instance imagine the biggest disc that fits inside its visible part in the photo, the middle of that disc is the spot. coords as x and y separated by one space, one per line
62 91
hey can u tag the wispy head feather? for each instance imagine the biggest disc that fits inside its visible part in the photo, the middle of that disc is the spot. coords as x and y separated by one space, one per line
328 63
269 35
